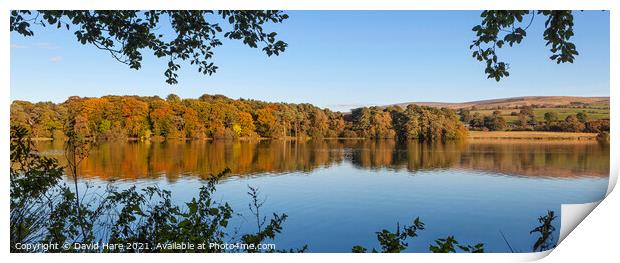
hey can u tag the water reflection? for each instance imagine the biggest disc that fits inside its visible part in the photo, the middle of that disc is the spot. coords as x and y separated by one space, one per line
202 158
472 190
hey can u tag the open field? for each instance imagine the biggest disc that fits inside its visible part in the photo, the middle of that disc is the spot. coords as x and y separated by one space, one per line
547 101
530 135
601 112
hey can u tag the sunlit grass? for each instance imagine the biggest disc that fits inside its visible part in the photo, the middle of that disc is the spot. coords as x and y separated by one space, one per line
533 135
597 113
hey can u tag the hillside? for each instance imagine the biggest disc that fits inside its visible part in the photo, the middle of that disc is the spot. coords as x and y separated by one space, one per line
548 101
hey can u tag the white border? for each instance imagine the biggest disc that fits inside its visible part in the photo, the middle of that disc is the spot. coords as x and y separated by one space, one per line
594 239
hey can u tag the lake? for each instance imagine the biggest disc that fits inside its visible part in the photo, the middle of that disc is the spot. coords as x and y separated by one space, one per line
338 193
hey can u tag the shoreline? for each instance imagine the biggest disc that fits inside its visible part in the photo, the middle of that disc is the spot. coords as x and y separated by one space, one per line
530 135
472 135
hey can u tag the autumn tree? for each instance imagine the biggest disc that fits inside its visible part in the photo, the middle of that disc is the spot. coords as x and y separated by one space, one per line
336 125
265 122
597 126
572 124
42 119
362 121
162 119
246 125
522 122
191 125
213 116
528 111
382 125
135 116
319 124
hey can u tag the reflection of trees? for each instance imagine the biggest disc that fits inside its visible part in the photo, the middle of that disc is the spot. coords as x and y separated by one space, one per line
553 159
175 159
411 155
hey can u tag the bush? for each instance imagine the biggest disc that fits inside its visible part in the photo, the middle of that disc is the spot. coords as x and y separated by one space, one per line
597 126
572 124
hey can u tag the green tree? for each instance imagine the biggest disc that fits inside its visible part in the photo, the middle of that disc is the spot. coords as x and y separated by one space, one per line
33 178
582 117
495 122
394 242
465 115
509 27
477 120
173 98
427 123
449 245
551 117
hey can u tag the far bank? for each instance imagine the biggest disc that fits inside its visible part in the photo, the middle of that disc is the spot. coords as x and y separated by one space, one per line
530 135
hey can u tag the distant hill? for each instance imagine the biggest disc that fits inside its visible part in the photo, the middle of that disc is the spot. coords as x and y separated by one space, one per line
548 101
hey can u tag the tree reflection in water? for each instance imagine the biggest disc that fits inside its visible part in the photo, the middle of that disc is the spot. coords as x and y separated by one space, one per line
174 159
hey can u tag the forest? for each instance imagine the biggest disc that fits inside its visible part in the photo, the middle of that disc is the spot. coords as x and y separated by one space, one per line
219 117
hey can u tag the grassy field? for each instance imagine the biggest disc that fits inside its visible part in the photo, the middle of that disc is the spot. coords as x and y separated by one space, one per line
601 112
530 135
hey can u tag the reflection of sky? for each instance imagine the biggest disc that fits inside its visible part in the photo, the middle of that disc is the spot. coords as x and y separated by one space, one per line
335 208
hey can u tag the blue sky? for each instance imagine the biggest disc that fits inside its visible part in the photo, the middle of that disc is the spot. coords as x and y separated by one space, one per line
335 59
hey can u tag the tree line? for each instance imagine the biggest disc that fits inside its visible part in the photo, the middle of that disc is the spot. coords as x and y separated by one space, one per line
219 117
526 121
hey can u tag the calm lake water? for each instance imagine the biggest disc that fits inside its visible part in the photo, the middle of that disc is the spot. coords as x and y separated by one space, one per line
337 193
